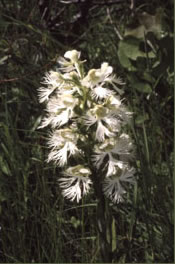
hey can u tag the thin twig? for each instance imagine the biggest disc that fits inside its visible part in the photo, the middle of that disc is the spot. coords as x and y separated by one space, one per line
95 2
132 4
26 75
112 23
108 3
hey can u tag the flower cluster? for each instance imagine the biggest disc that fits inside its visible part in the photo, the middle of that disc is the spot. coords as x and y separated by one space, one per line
87 119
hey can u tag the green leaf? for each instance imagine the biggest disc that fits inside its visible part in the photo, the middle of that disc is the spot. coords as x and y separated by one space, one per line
142 87
114 238
125 62
4 167
148 77
2 60
141 119
130 47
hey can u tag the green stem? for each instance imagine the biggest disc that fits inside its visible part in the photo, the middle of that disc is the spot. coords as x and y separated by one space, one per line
102 222
82 231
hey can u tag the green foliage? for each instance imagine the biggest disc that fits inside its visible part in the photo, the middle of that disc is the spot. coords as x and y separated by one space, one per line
37 225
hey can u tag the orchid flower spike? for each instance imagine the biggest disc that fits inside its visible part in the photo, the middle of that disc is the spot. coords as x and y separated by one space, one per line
87 119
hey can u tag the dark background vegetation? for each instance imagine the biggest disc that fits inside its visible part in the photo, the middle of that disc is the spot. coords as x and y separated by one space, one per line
136 38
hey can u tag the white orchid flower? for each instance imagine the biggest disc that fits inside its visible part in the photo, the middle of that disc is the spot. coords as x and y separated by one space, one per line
112 186
60 109
53 80
76 182
63 144
72 55
107 124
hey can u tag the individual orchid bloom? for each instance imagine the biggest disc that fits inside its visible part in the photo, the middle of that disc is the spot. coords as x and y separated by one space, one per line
117 109
121 146
114 104
109 149
72 55
60 136
101 130
101 76
53 80
73 64
113 190
104 72
56 120
76 182
96 76
60 156
100 115
111 163
112 186
65 101
64 144
90 80
71 84
60 109
66 66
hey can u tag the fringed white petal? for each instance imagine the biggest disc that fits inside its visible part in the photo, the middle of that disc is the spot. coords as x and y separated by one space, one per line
113 123
102 131
44 93
112 185
113 190
123 145
113 165
128 176
74 187
98 159
89 120
59 156
101 92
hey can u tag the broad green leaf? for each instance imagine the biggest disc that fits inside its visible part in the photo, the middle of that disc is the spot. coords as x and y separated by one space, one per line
125 62
130 47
